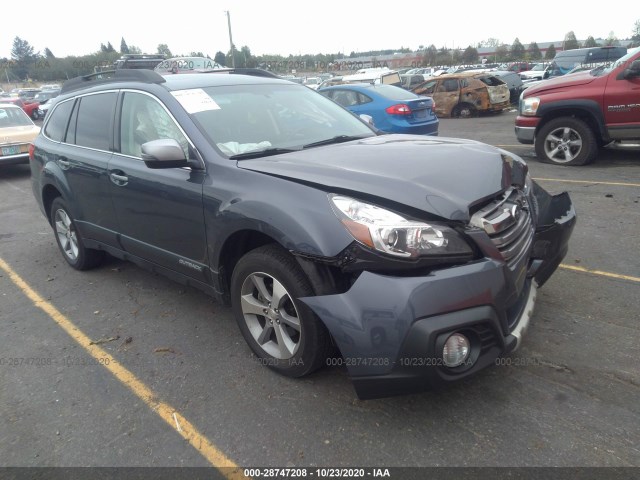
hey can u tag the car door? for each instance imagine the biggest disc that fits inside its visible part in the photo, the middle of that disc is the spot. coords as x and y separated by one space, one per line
622 104
83 152
159 211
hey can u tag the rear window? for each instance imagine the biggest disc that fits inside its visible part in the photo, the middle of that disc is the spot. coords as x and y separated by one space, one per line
58 120
491 81
14 117
394 93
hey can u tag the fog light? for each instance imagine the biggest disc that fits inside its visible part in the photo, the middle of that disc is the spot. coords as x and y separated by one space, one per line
456 350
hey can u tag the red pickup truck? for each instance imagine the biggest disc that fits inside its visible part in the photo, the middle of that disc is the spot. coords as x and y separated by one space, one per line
570 117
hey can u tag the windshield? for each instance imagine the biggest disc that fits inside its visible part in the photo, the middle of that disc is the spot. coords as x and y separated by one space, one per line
538 67
617 63
240 118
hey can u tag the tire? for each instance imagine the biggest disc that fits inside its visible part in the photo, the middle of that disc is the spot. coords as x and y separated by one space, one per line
287 337
69 240
566 141
34 114
464 110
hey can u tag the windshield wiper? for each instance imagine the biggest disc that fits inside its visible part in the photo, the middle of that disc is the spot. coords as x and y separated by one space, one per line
336 139
262 153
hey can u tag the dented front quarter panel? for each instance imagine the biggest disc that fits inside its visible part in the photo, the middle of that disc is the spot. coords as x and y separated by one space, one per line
380 315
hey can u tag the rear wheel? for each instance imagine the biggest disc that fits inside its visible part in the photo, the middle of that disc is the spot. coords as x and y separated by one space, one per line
69 239
282 331
566 141
464 110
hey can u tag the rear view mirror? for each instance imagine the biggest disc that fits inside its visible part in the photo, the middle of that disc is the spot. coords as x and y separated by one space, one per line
163 153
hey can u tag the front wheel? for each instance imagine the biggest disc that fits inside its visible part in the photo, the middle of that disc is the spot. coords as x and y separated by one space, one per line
69 239
282 331
566 141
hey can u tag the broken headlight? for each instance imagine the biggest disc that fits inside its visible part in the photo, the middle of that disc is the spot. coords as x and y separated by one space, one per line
390 233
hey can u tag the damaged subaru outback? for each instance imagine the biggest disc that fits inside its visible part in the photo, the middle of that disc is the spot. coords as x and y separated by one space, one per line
416 258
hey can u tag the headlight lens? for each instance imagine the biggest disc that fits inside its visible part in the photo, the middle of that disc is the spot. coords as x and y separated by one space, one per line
393 234
529 106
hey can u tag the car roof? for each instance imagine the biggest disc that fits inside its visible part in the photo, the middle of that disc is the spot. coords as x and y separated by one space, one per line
124 78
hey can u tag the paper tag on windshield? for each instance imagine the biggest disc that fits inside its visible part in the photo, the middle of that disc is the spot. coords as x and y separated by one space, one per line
195 100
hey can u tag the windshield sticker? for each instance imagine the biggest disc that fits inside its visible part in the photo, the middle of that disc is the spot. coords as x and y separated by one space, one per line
195 100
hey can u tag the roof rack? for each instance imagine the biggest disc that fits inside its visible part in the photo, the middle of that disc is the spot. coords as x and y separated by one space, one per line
111 76
256 72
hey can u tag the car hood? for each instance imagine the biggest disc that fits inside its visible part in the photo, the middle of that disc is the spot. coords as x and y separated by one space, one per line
444 177
565 81
11 135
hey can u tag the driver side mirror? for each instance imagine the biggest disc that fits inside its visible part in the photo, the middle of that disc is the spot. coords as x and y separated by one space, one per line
163 153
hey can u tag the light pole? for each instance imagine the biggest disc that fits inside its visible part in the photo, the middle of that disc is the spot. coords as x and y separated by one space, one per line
233 56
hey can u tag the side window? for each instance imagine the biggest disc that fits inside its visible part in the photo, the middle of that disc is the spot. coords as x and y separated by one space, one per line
93 127
450 85
428 87
362 99
464 83
57 124
346 98
143 119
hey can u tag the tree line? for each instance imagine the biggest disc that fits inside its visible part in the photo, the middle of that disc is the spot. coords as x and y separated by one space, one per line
27 64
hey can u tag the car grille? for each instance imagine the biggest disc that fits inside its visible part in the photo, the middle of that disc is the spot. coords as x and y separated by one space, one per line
508 223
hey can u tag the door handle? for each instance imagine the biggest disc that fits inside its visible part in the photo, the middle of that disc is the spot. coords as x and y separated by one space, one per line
119 180
64 164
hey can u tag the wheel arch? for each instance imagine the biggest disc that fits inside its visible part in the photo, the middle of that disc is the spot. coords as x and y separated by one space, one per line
586 110
49 194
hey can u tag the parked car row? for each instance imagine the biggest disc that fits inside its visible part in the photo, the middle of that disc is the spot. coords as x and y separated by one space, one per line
17 132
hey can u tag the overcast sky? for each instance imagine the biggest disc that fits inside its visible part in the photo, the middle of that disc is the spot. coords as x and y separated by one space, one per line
71 27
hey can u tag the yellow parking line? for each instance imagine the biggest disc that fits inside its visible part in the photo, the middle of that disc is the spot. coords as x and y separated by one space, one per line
590 182
600 272
166 412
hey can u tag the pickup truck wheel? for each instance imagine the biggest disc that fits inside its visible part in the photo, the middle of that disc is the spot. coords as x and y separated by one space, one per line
282 331
566 141
69 239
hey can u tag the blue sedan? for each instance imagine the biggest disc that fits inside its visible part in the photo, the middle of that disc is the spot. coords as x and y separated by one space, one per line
393 109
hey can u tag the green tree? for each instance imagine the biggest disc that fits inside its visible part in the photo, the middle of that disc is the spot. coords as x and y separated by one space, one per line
470 55
534 51
108 48
220 58
430 55
551 52
570 41
163 49
23 54
123 47
134 49
635 34
502 53
245 54
517 50
22 51
48 54
197 54
590 42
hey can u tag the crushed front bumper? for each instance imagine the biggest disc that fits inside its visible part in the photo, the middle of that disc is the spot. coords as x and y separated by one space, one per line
391 329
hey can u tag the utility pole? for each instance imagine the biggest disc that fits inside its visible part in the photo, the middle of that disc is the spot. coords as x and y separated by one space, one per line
233 56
